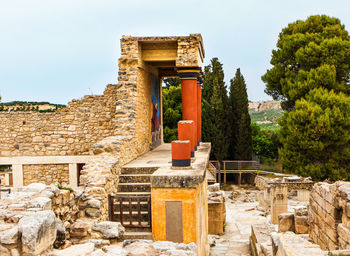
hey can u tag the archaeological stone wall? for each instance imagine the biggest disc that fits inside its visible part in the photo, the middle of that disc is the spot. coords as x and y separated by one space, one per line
47 174
70 131
114 127
329 215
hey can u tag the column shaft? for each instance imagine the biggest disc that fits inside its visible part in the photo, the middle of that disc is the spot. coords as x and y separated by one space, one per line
199 112
189 102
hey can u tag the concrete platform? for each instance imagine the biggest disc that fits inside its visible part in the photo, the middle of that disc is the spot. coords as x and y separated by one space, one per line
165 175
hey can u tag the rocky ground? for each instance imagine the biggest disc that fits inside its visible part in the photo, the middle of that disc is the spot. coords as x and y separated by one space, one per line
129 248
242 211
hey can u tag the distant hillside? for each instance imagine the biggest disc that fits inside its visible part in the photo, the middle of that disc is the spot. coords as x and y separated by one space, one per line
265 113
15 106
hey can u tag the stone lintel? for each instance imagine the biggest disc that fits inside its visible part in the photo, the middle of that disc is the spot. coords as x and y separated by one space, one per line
45 159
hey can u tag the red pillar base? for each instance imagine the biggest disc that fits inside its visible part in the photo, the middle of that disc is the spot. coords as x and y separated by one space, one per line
181 153
186 131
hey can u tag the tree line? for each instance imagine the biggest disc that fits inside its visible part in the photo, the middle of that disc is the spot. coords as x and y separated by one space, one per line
225 116
310 75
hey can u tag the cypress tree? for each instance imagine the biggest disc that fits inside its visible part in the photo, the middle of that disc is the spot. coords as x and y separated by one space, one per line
215 126
241 135
218 123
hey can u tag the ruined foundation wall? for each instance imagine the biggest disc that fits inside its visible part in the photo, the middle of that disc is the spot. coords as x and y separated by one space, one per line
47 174
70 131
330 215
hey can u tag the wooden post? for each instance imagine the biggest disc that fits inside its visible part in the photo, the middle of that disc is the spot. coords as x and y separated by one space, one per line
224 172
239 178
110 207
219 177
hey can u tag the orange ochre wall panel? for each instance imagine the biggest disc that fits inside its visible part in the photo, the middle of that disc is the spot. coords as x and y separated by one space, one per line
194 214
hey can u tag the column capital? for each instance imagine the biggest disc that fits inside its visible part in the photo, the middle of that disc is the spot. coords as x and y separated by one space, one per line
190 73
200 78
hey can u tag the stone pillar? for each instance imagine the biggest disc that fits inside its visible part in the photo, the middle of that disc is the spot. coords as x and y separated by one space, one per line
279 201
189 96
186 131
17 174
73 175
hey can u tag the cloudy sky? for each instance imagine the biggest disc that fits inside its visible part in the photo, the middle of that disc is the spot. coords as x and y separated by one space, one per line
57 50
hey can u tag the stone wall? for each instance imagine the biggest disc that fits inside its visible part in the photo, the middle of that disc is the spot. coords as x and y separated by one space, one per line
216 210
115 126
329 215
70 131
38 217
48 174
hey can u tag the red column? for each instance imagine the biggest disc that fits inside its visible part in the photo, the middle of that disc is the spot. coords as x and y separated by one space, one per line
189 96
199 112
186 131
181 153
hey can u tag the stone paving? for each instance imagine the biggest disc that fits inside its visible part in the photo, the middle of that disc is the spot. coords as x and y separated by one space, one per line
240 214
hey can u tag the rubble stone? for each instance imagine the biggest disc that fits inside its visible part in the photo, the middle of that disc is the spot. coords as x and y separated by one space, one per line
109 229
80 229
38 232
286 222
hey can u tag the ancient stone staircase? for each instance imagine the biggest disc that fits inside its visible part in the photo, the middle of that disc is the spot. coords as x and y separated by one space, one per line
135 182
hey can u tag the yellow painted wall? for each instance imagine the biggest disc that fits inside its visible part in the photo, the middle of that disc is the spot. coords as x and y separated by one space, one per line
194 214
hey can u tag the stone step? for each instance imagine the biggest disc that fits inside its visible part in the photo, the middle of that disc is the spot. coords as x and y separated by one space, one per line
141 170
134 178
138 235
134 187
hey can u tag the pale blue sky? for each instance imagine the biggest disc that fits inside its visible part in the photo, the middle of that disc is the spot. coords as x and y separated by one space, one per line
59 50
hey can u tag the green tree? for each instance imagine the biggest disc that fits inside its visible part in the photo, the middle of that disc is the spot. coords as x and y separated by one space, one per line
265 143
212 72
218 123
308 54
310 74
215 124
172 108
316 136
241 137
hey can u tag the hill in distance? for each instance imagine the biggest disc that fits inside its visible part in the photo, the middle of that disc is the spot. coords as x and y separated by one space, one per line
265 114
26 106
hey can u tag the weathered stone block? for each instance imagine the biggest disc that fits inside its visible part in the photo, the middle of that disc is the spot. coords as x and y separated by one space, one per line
95 213
279 202
216 217
9 236
109 230
301 224
80 229
40 202
286 222
38 232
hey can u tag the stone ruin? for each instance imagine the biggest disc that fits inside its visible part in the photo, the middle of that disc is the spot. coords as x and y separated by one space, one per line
305 218
65 165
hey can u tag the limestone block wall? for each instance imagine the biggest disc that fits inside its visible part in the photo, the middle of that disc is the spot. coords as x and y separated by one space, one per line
329 215
190 51
70 131
47 174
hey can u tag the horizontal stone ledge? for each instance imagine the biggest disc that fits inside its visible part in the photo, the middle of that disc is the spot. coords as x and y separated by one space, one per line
168 178
45 159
